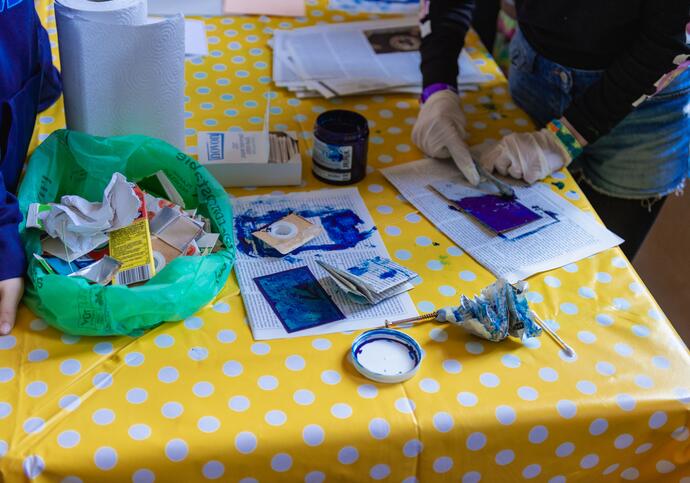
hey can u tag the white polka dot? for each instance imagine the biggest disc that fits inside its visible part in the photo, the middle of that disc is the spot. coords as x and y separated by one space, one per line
643 448
589 461
505 457
552 281
232 368
645 382
380 471
474 347
139 432
681 433
619 262
538 434
655 314
379 428
193 323
438 335
404 405
657 420
102 380
534 297
321 344
38 355
443 422
330 377
510 360
315 477
548 374
527 393
172 410
313 435
468 276
429 385
198 353
567 409
443 464
625 402
36 389
489 379
267 383
203 389
621 304
610 469
569 308
586 337
105 458
103 348
34 425
426 306
213 470
623 441
661 362
176 450
447 290
275 417
260 348
587 293
452 366
367 391
7 342
103 417
384 209
476 441
245 442
598 427
164 341
134 359
348 455
226 336
454 251
143 476
623 349
604 319
630 474
586 387
303 397
375 188
471 477
221 307
281 462
168 375
33 466
341 411
505 415
531 471
532 343
70 367
412 448
70 402
565 449
665 466
208 424
467 399
136 395
605 368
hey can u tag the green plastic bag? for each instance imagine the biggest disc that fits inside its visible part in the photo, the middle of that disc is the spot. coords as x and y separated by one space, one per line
69 162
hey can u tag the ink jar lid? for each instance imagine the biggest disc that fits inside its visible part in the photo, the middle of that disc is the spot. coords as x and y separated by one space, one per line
386 355
340 147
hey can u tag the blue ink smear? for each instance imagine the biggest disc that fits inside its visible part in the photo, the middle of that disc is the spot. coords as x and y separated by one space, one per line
359 271
298 299
388 274
559 184
340 225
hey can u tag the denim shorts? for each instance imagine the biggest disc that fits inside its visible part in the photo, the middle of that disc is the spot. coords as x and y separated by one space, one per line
646 156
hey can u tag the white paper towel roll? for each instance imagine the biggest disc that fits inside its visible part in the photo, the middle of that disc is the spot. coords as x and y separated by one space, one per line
122 72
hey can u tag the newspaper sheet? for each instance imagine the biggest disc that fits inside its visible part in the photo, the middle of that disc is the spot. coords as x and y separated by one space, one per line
376 6
348 237
563 235
356 57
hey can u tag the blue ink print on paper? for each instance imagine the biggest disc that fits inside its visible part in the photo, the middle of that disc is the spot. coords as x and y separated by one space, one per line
341 227
384 269
497 213
298 299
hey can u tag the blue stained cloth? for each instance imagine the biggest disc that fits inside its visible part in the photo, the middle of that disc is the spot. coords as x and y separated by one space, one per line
29 83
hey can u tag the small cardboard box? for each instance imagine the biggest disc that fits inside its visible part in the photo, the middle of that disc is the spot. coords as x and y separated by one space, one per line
236 166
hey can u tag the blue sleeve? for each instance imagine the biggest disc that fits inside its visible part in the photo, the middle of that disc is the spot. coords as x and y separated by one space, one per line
12 259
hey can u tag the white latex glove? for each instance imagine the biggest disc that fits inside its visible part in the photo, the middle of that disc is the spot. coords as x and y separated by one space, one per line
11 291
530 156
440 132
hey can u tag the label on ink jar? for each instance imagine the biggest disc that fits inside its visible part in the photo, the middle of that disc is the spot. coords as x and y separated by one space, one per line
332 156
330 175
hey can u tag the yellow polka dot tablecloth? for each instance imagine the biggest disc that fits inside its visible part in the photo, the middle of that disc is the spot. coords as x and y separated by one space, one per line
199 400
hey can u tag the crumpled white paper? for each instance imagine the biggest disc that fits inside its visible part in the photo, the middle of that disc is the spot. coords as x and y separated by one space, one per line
81 225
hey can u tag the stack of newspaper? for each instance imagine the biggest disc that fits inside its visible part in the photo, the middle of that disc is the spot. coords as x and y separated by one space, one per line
380 56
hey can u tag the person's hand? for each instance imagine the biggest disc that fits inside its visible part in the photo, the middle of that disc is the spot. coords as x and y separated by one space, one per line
11 291
440 132
533 156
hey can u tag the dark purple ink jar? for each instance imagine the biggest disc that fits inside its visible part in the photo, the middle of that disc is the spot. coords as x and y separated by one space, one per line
341 141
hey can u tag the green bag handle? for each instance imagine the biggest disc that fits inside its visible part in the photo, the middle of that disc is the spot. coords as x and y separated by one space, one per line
70 162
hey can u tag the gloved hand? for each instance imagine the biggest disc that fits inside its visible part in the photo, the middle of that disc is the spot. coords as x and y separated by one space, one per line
440 132
530 156
11 291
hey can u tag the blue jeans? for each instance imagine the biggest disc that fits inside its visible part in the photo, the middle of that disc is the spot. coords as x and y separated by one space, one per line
646 156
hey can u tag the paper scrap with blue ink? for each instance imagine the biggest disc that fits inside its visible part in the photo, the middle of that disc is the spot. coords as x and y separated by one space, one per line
297 299
372 280
347 237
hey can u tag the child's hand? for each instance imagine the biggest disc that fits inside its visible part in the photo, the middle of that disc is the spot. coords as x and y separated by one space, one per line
11 291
